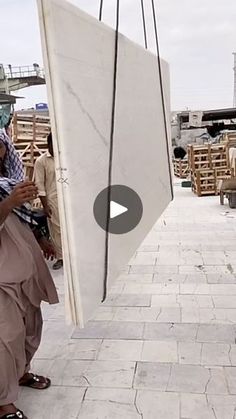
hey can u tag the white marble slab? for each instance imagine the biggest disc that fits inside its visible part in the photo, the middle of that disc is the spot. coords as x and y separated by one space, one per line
79 63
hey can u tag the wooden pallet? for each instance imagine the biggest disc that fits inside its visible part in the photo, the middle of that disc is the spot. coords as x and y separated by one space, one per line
203 182
29 134
206 181
207 156
229 138
181 168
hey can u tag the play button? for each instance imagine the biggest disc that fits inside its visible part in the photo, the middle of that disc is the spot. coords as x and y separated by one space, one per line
116 209
125 209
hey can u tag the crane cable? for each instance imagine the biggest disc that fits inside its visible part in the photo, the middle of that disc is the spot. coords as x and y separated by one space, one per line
144 25
162 92
100 10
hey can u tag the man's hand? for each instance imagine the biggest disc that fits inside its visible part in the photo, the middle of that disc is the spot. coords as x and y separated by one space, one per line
47 248
22 193
47 211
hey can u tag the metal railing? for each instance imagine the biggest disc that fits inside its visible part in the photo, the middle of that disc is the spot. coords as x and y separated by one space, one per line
24 71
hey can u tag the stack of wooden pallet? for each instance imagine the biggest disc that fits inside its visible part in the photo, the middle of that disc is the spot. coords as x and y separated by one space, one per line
208 165
181 168
29 133
229 138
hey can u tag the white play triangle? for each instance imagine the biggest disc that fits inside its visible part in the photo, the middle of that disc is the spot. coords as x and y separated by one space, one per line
116 209
78 55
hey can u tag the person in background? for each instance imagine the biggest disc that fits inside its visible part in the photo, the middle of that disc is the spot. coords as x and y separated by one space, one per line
8 128
180 153
45 180
25 281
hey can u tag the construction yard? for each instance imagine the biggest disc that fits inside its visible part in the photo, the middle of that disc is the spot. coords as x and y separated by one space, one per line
124 117
163 344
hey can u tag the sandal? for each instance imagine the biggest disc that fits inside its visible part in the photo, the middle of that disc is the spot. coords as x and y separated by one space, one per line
17 415
36 382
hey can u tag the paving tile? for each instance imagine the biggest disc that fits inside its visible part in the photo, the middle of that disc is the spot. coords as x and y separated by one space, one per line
132 288
224 301
128 350
130 300
168 288
109 403
146 314
92 373
110 330
81 349
214 258
153 376
191 257
153 405
224 407
157 351
189 378
196 301
57 331
230 373
57 402
221 279
141 269
217 315
102 410
165 301
211 289
105 313
230 256
167 269
217 383
232 355
137 278
199 278
117 288
205 269
190 315
195 406
189 353
149 248
163 258
114 395
169 278
215 354
191 269
49 350
216 333
144 258
170 331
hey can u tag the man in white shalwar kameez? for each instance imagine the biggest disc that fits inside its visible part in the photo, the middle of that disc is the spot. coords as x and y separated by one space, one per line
45 179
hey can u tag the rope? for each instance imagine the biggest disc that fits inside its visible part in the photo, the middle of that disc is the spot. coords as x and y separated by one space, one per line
100 10
144 25
162 90
111 149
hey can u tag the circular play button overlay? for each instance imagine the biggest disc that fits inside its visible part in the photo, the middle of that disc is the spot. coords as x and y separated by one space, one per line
125 209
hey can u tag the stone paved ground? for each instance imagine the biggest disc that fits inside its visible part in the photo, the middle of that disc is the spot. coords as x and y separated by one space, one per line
164 344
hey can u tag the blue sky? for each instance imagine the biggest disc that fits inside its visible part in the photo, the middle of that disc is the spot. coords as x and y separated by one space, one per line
197 38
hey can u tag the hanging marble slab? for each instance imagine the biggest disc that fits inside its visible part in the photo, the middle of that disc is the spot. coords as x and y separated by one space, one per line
78 55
